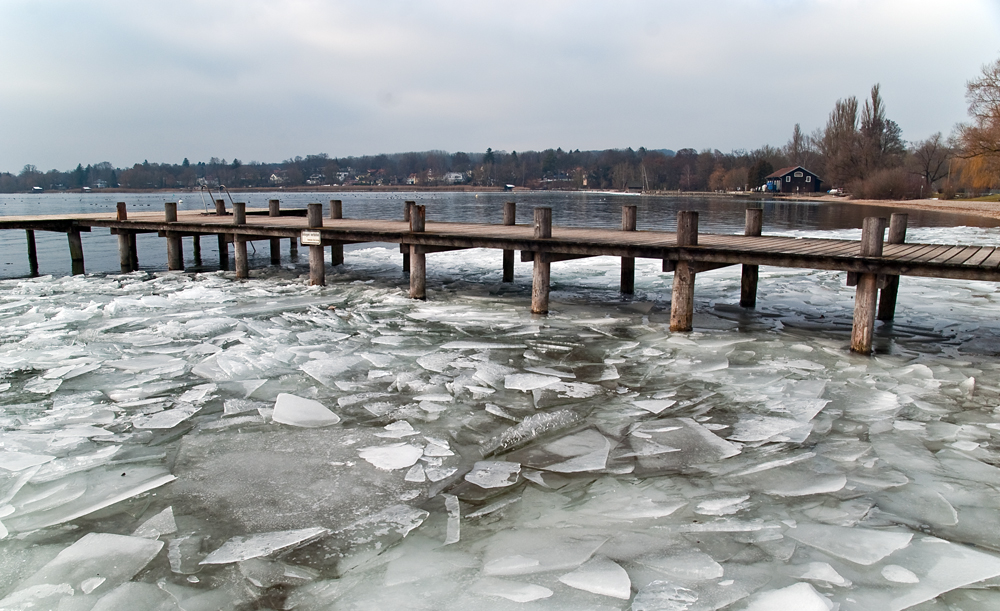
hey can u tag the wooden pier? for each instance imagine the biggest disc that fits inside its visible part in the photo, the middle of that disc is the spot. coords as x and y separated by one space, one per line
874 264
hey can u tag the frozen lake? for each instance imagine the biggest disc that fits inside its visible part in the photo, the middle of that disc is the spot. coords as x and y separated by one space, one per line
185 441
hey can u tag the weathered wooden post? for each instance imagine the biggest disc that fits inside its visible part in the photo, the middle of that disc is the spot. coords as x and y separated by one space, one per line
542 266
124 243
239 242
293 248
628 263
406 217
133 252
317 267
682 296
75 251
196 249
274 209
872 233
336 250
418 259
509 218
887 296
220 210
748 283
175 248
32 253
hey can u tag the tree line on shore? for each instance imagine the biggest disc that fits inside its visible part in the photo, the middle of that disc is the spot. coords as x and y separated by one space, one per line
860 151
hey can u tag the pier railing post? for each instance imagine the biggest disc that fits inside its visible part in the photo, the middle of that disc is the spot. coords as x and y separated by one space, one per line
887 296
75 251
336 250
682 296
509 218
317 267
32 253
220 210
872 233
418 259
274 209
748 283
540 276
239 241
628 263
124 241
407 205
175 248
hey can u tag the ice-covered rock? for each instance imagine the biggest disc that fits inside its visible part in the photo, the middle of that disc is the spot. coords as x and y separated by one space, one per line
297 411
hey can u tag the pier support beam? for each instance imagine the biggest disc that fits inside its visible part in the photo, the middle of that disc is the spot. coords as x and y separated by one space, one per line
406 217
336 250
872 233
293 248
76 251
133 252
196 249
509 218
175 248
682 297
748 283
32 253
887 296
239 243
220 210
274 209
540 274
628 263
317 267
124 241
418 259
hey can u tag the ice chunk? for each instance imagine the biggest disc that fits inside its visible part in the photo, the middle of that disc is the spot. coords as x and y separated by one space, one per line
393 456
583 451
756 428
654 406
528 381
801 597
453 507
521 552
297 411
149 363
898 574
262 544
167 419
722 506
265 573
530 428
397 430
133 595
672 444
18 461
685 566
511 590
860 545
600 576
664 596
822 571
416 474
325 371
494 474
115 558
161 524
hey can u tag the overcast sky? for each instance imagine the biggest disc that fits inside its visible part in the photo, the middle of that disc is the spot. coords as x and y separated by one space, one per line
90 81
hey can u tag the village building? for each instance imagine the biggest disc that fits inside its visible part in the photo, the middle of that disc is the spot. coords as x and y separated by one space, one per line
794 179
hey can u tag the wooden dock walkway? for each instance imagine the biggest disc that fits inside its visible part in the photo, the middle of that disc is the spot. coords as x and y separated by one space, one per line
874 264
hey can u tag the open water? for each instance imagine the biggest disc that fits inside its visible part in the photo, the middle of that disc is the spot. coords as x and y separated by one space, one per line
187 441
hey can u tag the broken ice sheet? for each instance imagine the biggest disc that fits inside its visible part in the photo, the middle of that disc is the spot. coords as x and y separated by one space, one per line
654 406
600 576
673 443
298 411
393 456
17 461
263 544
516 591
527 551
167 419
801 597
161 524
528 381
859 545
494 474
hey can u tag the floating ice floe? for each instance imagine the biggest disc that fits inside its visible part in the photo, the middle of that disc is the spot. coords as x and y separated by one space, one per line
863 546
297 411
494 474
393 456
262 544
801 597
600 576
511 590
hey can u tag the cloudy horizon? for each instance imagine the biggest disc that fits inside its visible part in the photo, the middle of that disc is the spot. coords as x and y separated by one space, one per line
86 82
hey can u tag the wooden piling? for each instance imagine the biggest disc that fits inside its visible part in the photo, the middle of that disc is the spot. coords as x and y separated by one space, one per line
682 296
133 252
628 263
317 267
175 248
32 253
872 233
196 249
293 248
274 209
220 210
124 241
418 260
748 283
406 217
336 250
75 251
540 273
887 296
239 242
509 218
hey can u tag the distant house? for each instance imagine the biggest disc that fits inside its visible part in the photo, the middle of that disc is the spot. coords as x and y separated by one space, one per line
316 179
411 179
454 177
794 179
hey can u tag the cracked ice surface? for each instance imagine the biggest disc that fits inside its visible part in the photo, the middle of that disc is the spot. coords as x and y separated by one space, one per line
458 453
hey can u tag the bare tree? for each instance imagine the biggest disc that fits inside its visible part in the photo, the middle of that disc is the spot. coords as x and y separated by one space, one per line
929 158
797 147
839 143
980 139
